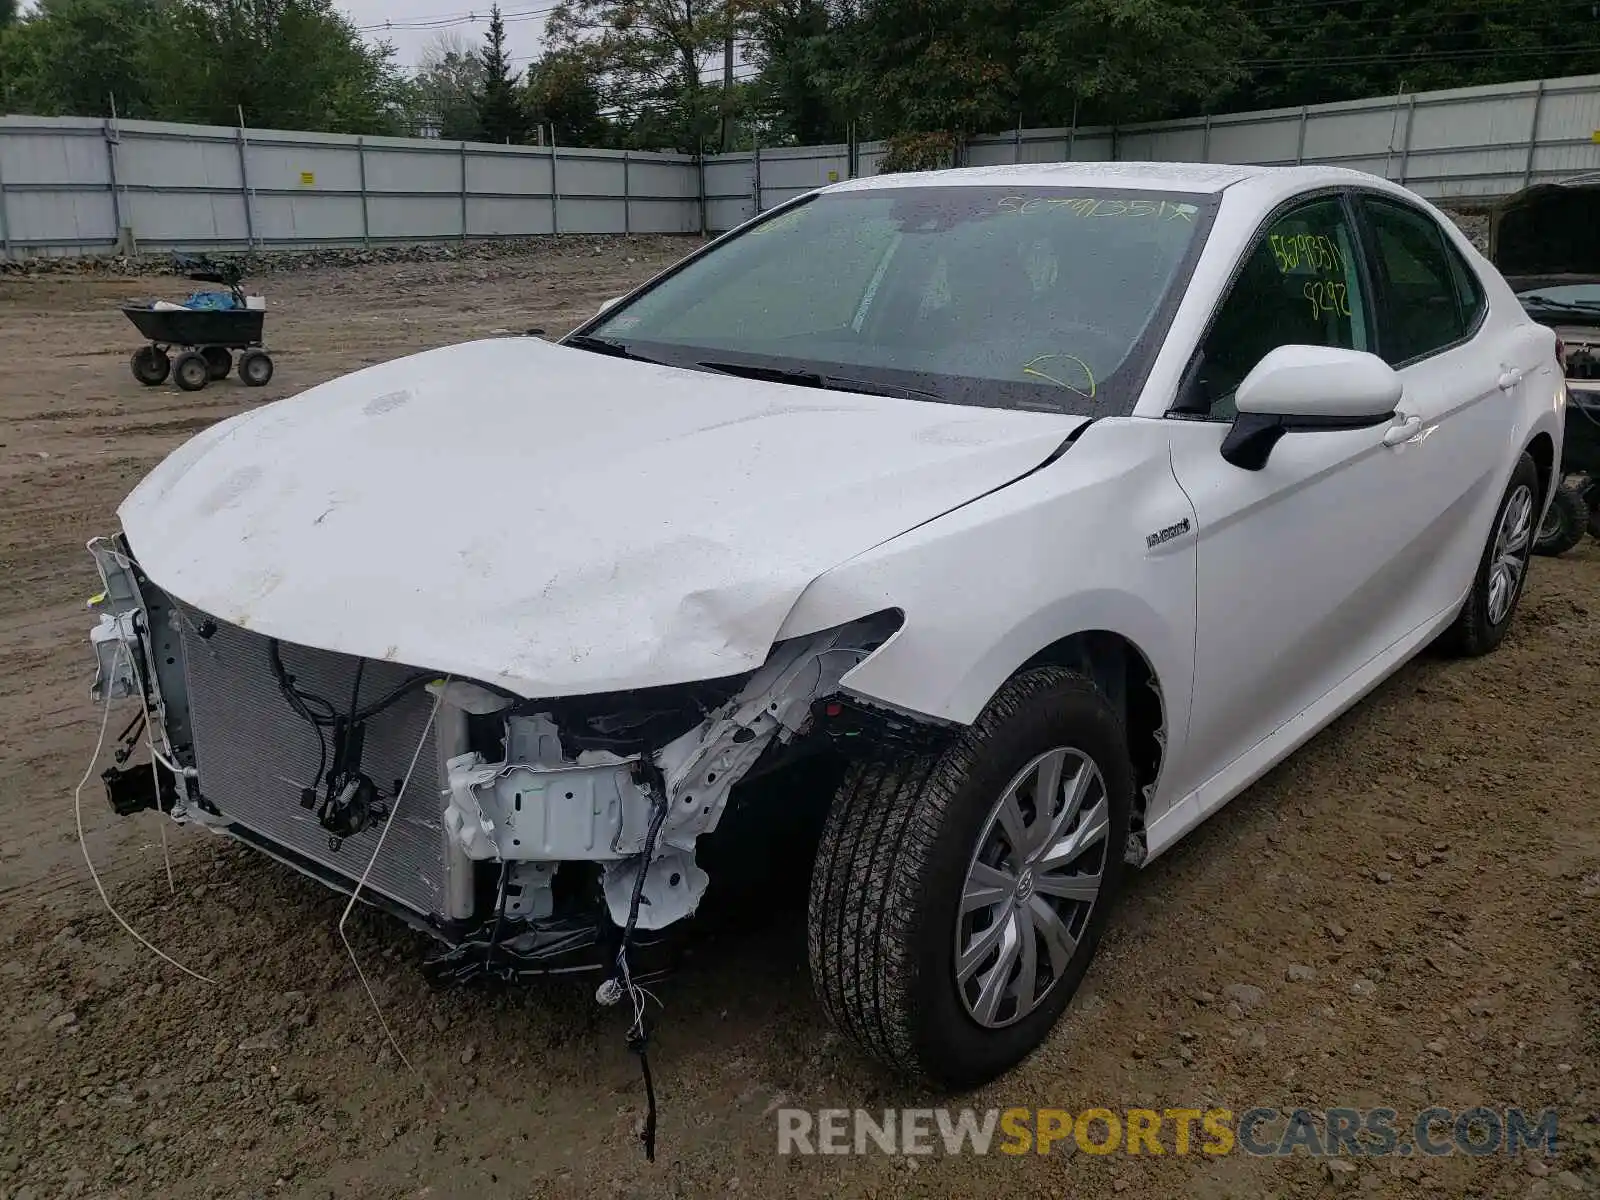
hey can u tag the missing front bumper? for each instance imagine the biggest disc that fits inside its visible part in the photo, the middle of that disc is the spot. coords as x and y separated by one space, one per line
508 796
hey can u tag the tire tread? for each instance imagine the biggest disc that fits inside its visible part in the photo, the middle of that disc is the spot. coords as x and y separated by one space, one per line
870 866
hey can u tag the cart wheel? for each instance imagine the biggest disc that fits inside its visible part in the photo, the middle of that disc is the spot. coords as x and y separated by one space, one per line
191 371
150 366
219 360
255 368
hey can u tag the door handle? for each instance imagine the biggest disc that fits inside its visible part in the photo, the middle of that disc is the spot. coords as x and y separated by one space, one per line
1402 431
1509 378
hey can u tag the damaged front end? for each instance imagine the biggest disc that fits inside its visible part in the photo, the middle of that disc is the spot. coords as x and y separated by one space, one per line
523 834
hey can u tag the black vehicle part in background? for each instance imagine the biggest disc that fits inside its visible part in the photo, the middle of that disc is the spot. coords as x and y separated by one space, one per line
1565 522
1549 230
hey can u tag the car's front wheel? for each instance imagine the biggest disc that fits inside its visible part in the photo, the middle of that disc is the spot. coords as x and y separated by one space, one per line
957 898
1502 571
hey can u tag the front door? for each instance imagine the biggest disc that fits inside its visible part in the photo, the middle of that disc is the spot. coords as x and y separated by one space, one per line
1297 577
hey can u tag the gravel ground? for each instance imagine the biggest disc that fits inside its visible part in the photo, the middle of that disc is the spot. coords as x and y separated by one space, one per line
1404 914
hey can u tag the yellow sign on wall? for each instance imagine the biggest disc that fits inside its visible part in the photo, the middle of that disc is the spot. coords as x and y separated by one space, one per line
308 178
833 177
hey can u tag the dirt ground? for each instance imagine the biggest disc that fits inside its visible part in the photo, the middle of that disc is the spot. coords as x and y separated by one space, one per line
1405 914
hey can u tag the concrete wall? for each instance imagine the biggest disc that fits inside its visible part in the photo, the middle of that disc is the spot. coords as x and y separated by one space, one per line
69 185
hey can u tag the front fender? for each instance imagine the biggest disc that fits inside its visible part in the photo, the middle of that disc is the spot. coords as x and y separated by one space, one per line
1065 550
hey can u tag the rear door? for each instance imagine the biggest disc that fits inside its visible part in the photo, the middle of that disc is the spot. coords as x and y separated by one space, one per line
1299 576
1463 377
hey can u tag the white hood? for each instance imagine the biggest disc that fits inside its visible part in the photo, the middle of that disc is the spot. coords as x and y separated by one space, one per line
551 520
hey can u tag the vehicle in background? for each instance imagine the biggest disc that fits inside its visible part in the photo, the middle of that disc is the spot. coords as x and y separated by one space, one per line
1546 241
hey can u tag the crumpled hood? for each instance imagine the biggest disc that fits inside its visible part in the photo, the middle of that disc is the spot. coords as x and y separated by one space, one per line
551 520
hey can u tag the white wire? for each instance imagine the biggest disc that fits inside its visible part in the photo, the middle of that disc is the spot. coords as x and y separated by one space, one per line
161 817
180 772
83 842
362 882
149 739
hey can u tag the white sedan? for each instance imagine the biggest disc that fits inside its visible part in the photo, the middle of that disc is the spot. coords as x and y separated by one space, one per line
1055 504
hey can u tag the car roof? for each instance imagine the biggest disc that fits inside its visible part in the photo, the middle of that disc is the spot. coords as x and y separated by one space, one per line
1152 176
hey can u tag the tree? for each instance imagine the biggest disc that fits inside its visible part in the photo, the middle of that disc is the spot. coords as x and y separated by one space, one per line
442 98
501 117
1375 47
286 64
1127 60
649 57
923 66
72 56
8 13
802 68
563 92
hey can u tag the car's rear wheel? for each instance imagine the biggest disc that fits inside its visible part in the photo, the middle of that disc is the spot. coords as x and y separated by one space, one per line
1502 571
958 898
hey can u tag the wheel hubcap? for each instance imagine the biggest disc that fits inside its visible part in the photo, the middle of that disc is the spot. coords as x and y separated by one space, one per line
1510 557
1031 885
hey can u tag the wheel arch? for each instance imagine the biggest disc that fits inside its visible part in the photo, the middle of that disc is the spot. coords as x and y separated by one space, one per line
1542 449
1128 679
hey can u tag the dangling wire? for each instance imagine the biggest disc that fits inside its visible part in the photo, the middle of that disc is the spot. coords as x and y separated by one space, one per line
83 842
622 983
362 882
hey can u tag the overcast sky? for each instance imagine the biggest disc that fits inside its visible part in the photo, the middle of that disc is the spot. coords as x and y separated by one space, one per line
414 24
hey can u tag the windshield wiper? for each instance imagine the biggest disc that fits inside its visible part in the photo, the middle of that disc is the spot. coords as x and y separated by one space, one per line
816 379
1550 302
600 345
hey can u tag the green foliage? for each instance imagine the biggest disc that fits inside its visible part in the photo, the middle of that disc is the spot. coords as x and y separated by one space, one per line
1314 53
919 152
73 56
648 57
1129 60
501 115
647 73
563 92
288 64
804 58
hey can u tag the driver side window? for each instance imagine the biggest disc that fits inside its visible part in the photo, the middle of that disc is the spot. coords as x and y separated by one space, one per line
1299 286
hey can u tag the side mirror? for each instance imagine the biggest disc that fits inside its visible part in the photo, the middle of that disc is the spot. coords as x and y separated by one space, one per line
1302 388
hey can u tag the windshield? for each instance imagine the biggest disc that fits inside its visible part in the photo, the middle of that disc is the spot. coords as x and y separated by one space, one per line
1045 298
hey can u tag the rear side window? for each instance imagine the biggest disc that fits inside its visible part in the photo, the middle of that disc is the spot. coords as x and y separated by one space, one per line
1429 297
1469 291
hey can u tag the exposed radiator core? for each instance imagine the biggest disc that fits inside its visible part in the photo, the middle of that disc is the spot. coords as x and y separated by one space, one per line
254 754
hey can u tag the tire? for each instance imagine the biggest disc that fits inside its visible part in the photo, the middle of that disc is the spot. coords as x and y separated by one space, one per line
219 360
191 372
1565 522
255 368
1483 620
897 849
150 366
